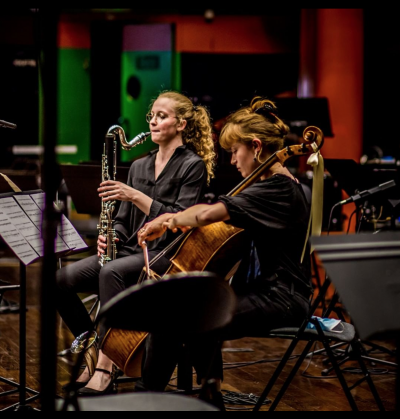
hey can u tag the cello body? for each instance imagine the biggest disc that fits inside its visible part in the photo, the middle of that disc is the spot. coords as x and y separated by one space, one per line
216 248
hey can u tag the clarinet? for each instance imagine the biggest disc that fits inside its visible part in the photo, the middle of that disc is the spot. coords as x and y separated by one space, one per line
109 172
106 222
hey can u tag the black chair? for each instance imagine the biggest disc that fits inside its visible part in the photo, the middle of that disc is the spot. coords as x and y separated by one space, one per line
184 305
304 333
365 269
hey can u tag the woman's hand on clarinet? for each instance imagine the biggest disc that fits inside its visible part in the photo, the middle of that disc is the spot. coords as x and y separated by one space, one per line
112 190
102 245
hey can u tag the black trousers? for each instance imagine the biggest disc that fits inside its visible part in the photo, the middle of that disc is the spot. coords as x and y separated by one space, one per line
255 315
87 276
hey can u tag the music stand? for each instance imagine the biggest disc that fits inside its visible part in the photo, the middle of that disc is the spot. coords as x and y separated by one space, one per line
83 180
365 269
21 212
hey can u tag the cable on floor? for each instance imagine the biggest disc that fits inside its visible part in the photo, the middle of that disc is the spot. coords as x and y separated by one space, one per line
241 399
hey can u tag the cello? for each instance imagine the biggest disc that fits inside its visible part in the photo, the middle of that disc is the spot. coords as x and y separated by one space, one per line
216 248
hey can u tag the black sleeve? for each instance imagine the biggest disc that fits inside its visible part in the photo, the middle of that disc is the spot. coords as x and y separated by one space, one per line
122 219
191 191
265 205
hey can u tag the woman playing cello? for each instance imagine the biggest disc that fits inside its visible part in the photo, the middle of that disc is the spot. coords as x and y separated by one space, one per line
275 213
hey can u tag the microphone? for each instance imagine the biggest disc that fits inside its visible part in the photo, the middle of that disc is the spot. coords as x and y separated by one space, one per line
6 124
368 192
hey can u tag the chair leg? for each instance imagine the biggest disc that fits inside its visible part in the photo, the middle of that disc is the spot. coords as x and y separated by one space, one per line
185 371
357 351
364 356
290 350
292 374
276 375
339 375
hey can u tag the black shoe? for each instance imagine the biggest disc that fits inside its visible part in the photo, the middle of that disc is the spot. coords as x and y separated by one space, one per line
74 386
89 392
211 395
217 400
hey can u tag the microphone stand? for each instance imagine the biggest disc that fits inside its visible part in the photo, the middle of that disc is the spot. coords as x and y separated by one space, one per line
361 213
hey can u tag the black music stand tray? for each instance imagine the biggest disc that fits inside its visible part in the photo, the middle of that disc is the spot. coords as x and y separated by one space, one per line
365 269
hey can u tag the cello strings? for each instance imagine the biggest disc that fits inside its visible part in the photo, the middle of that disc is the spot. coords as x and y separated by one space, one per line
161 254
252 178
167 249
263 167
260 169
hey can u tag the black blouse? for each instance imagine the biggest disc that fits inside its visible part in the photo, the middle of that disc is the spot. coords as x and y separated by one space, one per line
275 214
181 184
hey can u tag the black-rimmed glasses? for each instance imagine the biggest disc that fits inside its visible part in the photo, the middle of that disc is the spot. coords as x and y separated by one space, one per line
160 117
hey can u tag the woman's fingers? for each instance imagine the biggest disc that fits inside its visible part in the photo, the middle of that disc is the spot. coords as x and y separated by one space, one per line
101 244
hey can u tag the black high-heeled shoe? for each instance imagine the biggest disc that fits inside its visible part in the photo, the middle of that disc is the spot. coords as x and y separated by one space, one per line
74 386
89 392
89 343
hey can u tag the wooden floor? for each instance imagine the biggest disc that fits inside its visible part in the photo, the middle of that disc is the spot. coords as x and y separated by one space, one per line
249 363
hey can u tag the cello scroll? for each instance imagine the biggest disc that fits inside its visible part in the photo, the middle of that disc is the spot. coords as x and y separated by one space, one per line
314 140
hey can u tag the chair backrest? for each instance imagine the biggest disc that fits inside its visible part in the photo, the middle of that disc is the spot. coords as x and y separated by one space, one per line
183 304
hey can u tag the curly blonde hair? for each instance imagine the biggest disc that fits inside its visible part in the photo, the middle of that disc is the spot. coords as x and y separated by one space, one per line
258 120
197 134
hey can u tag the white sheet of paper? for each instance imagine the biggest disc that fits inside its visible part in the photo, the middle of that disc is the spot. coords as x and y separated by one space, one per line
31 209
40 199
16 241
70 236
34 205
22 223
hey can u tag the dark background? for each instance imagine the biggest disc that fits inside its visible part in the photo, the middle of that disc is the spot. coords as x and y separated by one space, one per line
221 82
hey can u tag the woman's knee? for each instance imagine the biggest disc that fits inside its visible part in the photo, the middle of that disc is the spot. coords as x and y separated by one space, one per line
62 279
109 275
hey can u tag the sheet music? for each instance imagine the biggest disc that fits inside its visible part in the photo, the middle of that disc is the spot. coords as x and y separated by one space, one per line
66 230
32 205
21 218
16 241
22 223
31 209
70 236
40 200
